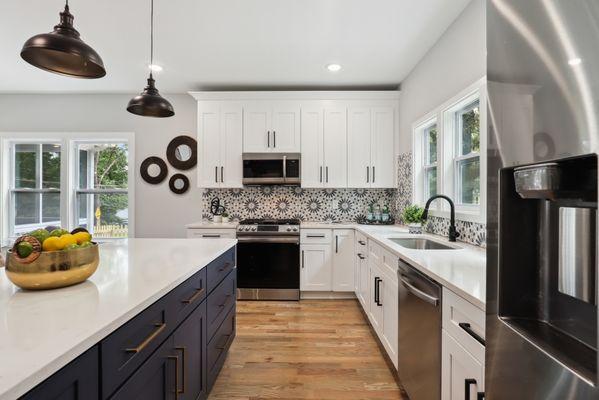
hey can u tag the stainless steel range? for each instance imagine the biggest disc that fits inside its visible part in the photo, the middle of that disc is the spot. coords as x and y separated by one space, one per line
268 259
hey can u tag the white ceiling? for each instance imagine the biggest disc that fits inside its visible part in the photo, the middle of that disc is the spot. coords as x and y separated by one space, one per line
231 44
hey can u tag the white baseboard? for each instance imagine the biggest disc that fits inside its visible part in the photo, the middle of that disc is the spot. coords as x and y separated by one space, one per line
327 295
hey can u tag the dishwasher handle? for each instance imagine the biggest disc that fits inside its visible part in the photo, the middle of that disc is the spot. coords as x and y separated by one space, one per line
419 293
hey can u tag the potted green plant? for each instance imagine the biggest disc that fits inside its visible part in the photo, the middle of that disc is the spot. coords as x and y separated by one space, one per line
225 217
412 216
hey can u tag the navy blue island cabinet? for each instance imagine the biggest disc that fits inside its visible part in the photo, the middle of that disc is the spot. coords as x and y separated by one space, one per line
174 349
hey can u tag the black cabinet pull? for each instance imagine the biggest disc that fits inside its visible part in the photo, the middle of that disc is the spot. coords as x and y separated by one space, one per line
274 139
367 174
466 326
327 173
467 383
222 174
336 244
321 174
373 174
267 138
314 236
362 242
360 256
377 291
216 174
480 396
303 259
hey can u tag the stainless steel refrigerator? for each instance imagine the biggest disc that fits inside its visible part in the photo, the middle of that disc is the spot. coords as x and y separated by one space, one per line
543 140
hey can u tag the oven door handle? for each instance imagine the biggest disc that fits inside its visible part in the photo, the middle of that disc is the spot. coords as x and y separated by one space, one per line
268 239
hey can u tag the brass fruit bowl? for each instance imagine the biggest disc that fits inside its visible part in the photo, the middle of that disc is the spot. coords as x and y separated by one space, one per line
53 269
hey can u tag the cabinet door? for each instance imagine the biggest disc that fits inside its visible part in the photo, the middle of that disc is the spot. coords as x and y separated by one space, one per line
459 370
382 148
343 260
335 147
257 135
359 172
376 306
312 150
155 379
209 140
190 345
389 298
231 136
364 295
79 380
286 129
316 274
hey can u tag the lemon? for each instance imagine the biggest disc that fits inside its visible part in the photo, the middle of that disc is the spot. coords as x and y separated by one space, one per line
82 237
53 243
67 239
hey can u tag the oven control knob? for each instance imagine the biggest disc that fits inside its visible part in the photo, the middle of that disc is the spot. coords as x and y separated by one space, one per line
247 229
288 229
253 229
294 229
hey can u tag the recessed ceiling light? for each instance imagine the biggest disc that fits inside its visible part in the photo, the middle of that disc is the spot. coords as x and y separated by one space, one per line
574 61
155 67
334 67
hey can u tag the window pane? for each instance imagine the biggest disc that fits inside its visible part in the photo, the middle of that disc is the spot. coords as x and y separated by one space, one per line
26 209
469 129
105 215
25 166
469 181
430 182
51 166
51 208
108 164
431 144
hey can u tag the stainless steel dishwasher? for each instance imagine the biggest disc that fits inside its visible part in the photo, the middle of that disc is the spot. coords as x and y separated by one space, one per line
419 347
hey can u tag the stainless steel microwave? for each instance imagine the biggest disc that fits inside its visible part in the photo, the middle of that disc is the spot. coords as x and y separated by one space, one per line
271 168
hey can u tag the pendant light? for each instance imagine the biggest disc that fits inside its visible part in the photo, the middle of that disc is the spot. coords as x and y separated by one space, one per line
63 52
150 103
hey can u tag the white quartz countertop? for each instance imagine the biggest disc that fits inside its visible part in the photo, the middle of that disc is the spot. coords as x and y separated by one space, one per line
463 271
212 225
42 331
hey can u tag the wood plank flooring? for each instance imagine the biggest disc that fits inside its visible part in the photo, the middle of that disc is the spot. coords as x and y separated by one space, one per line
312 349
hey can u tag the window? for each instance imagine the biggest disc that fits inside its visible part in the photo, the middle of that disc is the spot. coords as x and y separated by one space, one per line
35 187
467 154
70 180
102 195
447 155
430 160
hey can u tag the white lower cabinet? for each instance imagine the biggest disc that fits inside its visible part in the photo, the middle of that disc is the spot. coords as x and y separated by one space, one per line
462 375
361 268
317 267
327 262
376 307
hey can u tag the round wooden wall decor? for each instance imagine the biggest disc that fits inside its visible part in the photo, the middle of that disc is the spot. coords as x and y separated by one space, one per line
179 183
182 152
153 170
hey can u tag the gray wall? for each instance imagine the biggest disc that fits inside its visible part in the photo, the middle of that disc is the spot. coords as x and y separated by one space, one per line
158 212
457 60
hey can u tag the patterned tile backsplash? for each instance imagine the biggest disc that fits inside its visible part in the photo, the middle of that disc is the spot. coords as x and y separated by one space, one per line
295 202
470 232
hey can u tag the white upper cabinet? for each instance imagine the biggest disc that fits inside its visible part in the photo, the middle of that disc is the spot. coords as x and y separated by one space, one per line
324 147
371 150
219 145
271 127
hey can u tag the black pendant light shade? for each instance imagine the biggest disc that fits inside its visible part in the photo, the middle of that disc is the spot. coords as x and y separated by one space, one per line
150 103
63 52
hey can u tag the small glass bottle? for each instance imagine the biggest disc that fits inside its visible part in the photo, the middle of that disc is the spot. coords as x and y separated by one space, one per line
385 215
377 212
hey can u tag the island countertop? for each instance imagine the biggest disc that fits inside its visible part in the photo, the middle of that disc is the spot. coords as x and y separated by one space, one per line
42 331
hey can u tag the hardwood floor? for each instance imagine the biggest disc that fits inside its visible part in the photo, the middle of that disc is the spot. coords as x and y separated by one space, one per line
312 349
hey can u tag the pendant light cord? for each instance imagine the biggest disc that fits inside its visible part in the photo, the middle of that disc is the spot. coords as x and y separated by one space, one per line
151 36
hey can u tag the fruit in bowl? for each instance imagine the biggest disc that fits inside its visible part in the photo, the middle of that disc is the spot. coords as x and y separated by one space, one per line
52 257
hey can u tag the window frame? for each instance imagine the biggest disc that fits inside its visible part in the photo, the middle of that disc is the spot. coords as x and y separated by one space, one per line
448 156
421 164
68 176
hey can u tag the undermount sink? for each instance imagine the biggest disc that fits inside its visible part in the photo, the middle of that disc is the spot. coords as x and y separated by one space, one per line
421 244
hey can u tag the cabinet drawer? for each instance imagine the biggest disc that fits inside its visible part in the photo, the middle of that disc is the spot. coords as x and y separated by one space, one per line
219 268
464 322
187 296
361 243
220 302
218 346
389 264
375 253
128 347
316 236
212 233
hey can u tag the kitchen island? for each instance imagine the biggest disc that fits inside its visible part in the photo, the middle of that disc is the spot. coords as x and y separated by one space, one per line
143 292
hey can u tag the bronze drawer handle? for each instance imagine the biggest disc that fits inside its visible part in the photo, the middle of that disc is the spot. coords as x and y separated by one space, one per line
183 351
226 301
226 337
176 360
224 267
193 298
160 327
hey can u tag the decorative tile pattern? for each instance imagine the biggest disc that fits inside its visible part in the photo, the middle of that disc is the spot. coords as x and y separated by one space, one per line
295 202
470 232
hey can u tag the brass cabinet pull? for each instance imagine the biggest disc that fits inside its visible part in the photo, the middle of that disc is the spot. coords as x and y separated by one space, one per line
183 351
226 301
224 267
226 337
176 360
193 298
160 327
